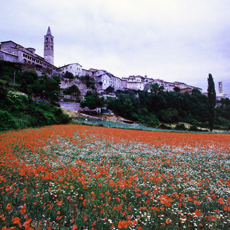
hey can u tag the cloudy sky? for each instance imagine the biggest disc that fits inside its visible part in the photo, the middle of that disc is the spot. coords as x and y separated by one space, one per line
173 40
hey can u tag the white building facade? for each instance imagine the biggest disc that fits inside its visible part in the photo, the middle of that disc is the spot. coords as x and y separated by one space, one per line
74 68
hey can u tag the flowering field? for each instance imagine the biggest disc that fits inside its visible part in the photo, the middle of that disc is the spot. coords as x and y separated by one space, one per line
84 177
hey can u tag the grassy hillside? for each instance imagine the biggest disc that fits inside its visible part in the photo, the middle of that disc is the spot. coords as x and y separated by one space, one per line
17 109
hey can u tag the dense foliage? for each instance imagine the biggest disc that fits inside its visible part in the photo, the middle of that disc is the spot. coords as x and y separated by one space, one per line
68 75
17 108
109 89
73 91
223 113
92 100
20 111
167 107
89 81
43 87
8 69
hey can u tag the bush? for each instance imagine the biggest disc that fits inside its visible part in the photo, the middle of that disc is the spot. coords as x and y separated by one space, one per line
218 127
68 75
55 103
7 121
180 127
110 89
194 122
204 124
3 93
193 128
148 120
163 126
152 121
169 115
19 111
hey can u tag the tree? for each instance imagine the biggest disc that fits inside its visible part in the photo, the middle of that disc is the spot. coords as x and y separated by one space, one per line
161 89
169 115
110 89
3 93
176 89
27 79
92 100
89 81
68 75
73 91
47 88
154 88
196 91
211 102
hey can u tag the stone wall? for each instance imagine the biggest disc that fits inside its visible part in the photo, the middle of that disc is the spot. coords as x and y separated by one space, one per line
65 83
75 107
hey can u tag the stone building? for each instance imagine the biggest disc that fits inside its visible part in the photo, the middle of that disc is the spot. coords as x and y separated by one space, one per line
107 79
13 52
49 47
134 82
74 68
220 93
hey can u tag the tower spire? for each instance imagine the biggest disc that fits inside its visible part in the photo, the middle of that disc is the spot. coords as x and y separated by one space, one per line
49 47
49 31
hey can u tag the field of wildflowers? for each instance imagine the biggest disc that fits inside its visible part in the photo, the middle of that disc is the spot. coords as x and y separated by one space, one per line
85 177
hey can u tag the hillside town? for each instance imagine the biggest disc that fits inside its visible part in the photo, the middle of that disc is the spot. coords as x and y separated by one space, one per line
13 52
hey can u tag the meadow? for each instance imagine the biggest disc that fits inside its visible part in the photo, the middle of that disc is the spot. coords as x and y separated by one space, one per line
87 177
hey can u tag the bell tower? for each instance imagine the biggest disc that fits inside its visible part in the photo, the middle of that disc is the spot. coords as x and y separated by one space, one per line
220 87
49 47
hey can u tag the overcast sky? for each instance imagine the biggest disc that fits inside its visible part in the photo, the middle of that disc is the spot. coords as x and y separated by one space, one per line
173 40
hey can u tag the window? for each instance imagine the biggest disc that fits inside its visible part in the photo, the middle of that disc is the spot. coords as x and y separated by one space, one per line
51 39
47 39
51 47
46 47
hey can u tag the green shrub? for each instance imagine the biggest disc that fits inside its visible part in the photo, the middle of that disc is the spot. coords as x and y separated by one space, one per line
7 121
68 75
194 122
163 126
218 127
180 127
169 115
55 103
148 120
204 124
20 111
3 93
194 128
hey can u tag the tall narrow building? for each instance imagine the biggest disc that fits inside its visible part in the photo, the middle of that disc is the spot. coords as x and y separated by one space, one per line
220 87
49 47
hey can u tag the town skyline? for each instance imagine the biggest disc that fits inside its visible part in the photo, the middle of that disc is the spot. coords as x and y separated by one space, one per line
174 41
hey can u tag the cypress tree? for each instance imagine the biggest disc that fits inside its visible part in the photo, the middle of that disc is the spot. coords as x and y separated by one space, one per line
211 102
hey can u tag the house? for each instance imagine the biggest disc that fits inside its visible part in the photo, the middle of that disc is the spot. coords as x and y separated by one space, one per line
74 68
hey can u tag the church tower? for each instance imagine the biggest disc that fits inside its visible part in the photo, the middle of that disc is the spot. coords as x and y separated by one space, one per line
220 87
49 47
